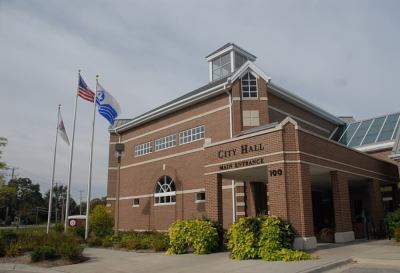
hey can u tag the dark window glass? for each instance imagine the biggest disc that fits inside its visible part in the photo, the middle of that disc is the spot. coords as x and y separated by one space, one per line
345 138
361 131
373 131
388 128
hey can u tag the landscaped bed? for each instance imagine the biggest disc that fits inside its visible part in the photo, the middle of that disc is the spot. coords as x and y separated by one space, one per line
33 245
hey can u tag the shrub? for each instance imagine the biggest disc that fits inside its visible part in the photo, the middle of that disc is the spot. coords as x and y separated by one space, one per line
393 221
201 234
43 253
78 231
243 238
101 222
58 227
13 250
263 237
397 234
274 236
8 236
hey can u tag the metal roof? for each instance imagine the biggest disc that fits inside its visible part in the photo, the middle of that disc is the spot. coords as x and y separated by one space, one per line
371 131
209 90
228 45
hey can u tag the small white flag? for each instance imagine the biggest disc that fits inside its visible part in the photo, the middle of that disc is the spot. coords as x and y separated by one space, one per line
62 131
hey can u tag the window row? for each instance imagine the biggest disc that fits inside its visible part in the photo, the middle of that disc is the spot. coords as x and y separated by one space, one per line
166 142
165 193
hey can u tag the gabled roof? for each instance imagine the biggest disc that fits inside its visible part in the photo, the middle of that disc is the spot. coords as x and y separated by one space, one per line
233 47
217 87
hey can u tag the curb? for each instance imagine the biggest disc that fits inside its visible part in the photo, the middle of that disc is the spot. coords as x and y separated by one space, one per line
329 266
28 268
386 262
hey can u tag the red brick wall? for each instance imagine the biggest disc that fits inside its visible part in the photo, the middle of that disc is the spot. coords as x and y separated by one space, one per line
341 202
296 111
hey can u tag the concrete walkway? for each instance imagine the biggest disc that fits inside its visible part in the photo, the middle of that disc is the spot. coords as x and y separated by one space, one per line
109 261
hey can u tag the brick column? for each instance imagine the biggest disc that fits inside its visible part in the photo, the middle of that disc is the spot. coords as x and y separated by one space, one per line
289 198
341 203
376 204
395 196
213 190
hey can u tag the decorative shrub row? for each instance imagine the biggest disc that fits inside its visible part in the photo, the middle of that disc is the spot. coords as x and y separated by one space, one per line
393 222
264 237
133 240
201 235
42 245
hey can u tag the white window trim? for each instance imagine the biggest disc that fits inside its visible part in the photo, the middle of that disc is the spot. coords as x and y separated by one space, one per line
133 203
151 148
199 201
155 143
179 135
162 194
164 204
241 87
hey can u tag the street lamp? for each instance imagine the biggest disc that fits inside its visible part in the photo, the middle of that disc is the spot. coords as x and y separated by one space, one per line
119 153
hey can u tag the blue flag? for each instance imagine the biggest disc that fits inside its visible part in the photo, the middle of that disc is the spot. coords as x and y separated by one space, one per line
108 107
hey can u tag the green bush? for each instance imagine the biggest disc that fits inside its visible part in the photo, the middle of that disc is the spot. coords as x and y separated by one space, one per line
264 237
13 250
393 221
101 222
43 253
8 236
397 234
274 236
78 231
58 227
200 234
243 238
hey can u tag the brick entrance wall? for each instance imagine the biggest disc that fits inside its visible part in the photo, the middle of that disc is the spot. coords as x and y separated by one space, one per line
341 202
213 189
376 204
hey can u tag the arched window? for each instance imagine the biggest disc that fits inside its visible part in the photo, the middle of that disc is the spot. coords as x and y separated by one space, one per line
165 192
249 86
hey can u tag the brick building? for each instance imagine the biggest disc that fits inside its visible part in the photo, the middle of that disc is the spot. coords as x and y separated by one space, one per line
240 146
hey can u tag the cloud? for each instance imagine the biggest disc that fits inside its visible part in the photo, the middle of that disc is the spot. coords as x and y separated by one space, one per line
341 55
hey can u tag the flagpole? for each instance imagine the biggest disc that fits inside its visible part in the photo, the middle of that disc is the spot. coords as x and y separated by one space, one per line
89 186
52 177
70 161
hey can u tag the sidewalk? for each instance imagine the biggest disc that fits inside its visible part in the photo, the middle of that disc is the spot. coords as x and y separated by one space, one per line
108 261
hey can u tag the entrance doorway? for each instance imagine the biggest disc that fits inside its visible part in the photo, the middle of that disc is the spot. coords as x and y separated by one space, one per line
259 197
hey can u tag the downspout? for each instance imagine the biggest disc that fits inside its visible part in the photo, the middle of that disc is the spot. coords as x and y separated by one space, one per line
231 135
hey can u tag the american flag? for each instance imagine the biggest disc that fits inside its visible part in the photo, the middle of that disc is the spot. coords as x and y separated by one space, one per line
84 91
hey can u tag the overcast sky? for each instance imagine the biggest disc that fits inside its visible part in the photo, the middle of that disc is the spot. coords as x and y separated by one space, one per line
343 56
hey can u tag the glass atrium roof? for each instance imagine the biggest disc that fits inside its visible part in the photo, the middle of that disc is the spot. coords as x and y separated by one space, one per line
371 131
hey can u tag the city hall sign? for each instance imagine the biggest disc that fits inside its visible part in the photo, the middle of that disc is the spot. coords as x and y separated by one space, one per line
244 149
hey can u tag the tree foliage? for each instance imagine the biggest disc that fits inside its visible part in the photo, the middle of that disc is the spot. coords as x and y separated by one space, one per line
3 165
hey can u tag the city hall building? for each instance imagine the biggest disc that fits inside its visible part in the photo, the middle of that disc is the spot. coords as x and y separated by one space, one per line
242 145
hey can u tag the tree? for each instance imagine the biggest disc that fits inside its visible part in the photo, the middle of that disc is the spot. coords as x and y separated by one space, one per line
3 165
58 202
28 198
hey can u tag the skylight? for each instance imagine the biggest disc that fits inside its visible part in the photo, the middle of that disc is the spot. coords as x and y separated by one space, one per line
371 131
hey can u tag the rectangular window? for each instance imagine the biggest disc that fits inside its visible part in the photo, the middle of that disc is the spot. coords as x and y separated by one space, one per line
221 67
249 86
143 149
200 197
251 118
191 135
136 202
165 142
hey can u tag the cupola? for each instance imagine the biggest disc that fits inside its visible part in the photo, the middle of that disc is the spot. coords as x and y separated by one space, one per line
226 60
